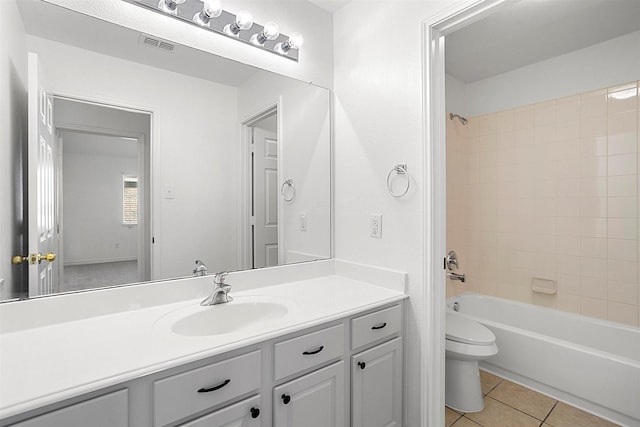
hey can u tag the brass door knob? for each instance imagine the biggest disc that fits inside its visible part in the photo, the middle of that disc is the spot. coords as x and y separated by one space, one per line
19 259
48 257
33 258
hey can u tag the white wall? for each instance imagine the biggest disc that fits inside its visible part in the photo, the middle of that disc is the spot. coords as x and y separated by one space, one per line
194 134
378 123
304 140
606 64
315 24
92 203
13 125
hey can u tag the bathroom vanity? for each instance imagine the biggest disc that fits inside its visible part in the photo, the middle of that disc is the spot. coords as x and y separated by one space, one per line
317 344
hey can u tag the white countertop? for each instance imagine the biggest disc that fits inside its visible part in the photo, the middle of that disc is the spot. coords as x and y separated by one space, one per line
46 364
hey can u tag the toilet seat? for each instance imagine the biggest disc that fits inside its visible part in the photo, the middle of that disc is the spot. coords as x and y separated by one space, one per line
466 331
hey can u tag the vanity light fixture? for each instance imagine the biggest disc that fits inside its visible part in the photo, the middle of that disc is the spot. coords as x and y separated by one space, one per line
210 9
210 15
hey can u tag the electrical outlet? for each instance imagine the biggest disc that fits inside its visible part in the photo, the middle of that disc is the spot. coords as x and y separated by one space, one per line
375 225
303 221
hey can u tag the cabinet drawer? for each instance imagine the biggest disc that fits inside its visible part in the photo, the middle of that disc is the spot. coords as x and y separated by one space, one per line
110 410
184 394
308 350
372 327
245 413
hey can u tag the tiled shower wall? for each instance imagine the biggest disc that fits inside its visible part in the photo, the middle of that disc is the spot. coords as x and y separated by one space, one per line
550 191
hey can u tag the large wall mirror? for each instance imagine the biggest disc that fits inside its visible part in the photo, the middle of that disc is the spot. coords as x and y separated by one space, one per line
131 157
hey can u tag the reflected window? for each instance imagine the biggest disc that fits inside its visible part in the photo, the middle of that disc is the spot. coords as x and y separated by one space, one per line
129 199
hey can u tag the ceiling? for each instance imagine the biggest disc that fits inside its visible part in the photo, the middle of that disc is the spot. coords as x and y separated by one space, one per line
531 31
52 22
330 5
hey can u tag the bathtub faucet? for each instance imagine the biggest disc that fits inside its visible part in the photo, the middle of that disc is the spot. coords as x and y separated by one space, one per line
456 276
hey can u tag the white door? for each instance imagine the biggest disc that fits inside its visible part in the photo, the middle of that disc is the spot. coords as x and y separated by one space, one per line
265 197
376 386
42 175
314 400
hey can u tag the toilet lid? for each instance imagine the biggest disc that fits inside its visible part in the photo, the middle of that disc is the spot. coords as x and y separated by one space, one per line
467 331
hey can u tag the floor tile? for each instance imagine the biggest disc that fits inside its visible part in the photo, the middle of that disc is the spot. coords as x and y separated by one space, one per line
497 414
521 398
488 381
450 416
564 415
465 422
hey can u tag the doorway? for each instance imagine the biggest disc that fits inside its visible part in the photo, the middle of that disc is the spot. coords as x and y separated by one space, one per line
264 190
103 194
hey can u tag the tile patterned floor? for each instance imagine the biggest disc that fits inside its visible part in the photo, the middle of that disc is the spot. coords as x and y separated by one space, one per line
510 405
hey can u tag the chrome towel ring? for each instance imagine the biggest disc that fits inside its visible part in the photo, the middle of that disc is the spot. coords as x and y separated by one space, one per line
288 190
399 169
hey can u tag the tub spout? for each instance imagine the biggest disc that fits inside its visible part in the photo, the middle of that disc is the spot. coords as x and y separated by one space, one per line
456 276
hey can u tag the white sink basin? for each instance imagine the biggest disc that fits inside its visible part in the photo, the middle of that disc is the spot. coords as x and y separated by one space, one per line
240 314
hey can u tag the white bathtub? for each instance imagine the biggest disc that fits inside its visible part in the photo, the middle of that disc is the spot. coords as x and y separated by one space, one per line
592 364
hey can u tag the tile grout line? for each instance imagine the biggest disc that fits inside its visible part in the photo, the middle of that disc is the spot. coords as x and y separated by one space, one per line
521 411
554 407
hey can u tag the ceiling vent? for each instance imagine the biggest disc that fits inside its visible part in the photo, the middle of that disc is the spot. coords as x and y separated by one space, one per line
156 42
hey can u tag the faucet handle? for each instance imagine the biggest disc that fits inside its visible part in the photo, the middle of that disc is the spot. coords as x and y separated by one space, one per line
219 278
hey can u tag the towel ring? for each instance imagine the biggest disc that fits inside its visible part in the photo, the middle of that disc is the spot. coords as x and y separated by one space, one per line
399 169
288 184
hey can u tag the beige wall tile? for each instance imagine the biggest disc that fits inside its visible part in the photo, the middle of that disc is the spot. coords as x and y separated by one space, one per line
551 190
623 313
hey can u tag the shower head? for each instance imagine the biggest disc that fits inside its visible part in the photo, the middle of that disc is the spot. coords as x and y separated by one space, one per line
462 119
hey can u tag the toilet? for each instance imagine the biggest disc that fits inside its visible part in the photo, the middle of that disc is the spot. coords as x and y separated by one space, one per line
466 343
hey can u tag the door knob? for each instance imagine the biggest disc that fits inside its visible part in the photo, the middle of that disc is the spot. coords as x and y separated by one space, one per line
48 257
33 258
19 259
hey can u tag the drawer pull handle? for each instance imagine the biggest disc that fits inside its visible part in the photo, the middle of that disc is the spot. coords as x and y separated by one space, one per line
255 412
214 388
379 326
316 351
286 399
362 365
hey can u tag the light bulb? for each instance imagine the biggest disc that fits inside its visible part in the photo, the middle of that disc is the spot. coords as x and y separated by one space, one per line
271 31
243 21
210 9
296 41
170 6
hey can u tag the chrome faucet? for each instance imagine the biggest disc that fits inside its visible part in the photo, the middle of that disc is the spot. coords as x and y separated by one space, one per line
220 294
201 269
456 276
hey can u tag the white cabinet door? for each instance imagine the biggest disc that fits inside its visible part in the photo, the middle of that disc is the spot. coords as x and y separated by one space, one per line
110 410
242 414
376 386
314 400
